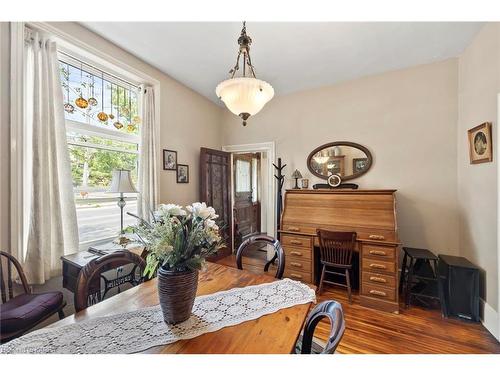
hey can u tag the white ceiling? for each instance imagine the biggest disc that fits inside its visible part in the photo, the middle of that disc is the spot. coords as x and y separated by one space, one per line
291 56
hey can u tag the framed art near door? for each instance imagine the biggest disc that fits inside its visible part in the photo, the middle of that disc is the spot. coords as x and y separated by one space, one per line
169 160
182 173
480 146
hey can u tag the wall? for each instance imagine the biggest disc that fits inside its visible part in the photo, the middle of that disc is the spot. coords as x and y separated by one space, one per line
4 137
408 121
479 85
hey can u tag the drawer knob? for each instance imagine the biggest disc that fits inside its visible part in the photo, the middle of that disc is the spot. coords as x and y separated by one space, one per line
298 253
376 237
295 264
377 252
378 293
296 242
376 265
297 276
294 229
378 279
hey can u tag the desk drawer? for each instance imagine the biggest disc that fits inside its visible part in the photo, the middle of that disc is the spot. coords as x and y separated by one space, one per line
377 291
298 264
297 275
376 265
297 252
379 252
379 279
296 241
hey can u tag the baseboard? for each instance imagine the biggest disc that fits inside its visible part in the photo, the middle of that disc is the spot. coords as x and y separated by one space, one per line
489 318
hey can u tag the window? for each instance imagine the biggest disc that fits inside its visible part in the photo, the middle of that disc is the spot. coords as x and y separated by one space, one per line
103 128
242 176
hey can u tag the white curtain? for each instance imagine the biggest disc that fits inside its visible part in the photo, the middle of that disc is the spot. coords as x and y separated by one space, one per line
148 180
53 229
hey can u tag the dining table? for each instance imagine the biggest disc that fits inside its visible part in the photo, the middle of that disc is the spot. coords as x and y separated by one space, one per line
274 333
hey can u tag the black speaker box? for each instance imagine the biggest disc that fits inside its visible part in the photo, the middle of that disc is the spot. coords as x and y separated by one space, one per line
459 280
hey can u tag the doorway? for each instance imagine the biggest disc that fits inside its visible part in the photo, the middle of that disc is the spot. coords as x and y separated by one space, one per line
217 188
265 186
247 196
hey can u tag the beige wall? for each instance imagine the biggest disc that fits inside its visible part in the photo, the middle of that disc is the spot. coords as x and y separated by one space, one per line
406 118
479 85
4 138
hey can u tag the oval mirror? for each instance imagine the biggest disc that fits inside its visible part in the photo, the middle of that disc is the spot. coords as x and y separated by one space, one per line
347 159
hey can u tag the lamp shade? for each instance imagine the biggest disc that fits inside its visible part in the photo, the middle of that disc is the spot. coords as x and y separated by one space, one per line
296 174
244 95
121 182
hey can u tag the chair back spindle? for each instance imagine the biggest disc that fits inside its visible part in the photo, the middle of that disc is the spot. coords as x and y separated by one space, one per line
336 247
92 286
6 280
326 309
280 253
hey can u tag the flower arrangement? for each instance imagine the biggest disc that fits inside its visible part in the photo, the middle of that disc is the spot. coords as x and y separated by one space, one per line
181 238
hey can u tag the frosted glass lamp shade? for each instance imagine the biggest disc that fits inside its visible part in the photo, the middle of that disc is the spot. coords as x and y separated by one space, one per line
244 96
121 182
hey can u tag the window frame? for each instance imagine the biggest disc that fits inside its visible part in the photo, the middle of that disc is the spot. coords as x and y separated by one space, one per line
82 48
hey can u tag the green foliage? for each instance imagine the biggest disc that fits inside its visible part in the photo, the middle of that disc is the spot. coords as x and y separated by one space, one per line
99 163
180 240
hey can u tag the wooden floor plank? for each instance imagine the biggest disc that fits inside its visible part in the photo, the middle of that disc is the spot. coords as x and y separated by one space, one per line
413 331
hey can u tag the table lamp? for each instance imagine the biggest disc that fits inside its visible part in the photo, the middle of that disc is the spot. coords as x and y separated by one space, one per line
121 182
296 174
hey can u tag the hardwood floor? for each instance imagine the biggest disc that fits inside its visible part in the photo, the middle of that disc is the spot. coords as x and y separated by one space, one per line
413 331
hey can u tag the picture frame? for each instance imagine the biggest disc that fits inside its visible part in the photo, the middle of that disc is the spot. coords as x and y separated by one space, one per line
169 160
359 164
182 173
480 144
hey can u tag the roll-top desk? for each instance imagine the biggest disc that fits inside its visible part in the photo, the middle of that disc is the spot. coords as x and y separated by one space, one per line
369 213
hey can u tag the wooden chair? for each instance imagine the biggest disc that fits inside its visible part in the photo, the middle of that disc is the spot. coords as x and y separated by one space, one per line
326 309
23 312
336 250
279 253
88 285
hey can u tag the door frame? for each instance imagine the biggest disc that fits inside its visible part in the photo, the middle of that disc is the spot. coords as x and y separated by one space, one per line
270 149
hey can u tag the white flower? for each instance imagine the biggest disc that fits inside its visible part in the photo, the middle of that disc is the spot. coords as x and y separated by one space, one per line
210 224
202 211
172 209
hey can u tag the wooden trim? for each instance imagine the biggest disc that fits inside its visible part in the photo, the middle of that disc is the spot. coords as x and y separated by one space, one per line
342 191
341 143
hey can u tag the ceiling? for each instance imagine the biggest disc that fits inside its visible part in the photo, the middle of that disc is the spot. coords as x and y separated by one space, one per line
292 56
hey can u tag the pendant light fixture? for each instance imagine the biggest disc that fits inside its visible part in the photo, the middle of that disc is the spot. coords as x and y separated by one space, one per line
102 116
244 96
118 124
80 101
68 107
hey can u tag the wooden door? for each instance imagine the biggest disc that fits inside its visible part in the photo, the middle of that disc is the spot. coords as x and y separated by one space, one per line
215 190
246 205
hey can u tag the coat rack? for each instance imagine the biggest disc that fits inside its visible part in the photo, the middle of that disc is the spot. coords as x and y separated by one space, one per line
280 179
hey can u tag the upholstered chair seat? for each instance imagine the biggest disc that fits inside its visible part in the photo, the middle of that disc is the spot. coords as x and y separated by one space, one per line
28 309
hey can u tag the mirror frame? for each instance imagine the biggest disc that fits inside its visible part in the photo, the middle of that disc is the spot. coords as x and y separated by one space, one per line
341 143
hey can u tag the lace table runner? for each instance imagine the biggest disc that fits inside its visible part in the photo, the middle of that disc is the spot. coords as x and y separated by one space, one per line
139 330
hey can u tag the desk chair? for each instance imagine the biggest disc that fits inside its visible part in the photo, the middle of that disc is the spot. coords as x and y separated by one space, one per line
336 250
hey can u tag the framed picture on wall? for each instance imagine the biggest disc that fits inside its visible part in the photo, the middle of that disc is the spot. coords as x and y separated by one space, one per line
480 146
182 173
169 160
